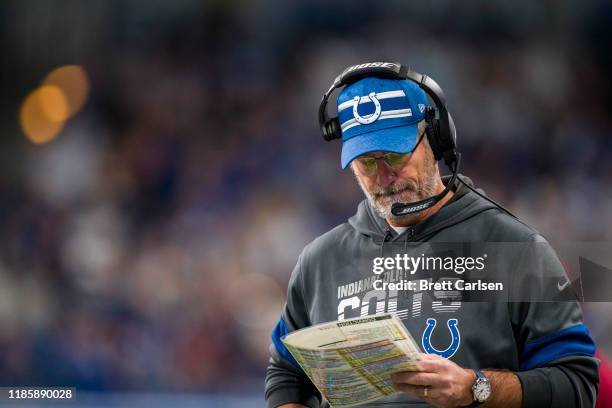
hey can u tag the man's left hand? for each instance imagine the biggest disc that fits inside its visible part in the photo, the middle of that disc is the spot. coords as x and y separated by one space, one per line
448 385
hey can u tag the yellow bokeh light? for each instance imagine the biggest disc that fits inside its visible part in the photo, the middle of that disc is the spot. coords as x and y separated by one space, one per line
53 103
36 121
74 84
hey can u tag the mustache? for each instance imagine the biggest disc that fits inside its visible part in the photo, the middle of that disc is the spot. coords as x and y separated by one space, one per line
408 185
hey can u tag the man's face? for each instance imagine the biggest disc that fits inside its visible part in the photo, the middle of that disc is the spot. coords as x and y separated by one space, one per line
412 181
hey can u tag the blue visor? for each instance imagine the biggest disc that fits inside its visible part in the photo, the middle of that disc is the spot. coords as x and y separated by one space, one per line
401 139
378 114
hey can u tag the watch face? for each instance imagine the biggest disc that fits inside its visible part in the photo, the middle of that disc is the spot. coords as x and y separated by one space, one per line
482 390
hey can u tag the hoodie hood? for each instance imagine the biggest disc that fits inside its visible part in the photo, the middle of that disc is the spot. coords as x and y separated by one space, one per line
464 205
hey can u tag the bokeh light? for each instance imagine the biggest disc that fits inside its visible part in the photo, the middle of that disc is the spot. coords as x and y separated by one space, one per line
41 114
62 95
53 103
74 83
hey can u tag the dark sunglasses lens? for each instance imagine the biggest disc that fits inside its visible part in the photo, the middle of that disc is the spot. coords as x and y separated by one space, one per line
396 161
368 164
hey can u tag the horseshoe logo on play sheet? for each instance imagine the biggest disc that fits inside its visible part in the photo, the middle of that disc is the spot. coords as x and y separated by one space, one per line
369 118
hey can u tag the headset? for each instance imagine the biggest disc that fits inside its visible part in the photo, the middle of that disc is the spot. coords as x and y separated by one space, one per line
441 131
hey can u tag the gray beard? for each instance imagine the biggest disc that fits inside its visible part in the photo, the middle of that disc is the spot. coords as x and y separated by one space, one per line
382 199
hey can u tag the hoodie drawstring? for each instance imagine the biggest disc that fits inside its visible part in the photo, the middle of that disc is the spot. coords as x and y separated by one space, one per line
388 236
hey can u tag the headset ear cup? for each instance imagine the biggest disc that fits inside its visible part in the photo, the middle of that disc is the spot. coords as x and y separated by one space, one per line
433 133
332 130
435 139
326 131
445 139
448 140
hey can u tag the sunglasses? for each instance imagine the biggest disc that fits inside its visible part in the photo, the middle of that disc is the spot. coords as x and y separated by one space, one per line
369 164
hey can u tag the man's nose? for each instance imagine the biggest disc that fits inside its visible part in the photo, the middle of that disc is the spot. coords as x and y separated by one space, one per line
385 176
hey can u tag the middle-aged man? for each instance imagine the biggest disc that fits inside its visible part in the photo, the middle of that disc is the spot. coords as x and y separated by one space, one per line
502 353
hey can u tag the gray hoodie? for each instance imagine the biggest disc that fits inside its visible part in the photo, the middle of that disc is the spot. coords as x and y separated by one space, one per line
544 342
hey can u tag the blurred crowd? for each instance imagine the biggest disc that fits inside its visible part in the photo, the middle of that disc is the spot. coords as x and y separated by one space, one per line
148 246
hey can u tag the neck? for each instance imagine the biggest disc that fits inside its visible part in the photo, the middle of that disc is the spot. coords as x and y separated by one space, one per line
413 219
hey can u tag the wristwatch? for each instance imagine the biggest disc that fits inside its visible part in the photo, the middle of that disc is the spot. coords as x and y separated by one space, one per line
481 389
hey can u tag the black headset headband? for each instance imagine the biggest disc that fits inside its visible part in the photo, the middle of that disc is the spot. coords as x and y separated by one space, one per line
442 129
391 70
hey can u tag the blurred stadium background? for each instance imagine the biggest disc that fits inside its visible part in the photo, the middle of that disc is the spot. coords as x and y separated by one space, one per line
161 168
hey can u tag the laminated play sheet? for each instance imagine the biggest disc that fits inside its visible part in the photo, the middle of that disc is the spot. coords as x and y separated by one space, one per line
351 361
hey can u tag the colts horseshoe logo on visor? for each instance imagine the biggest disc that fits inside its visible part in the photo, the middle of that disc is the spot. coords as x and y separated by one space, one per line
369 118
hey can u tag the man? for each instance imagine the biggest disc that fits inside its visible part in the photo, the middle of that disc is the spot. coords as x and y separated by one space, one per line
502 354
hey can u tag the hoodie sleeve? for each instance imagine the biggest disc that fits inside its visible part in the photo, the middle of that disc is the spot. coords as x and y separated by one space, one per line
557 363
285 380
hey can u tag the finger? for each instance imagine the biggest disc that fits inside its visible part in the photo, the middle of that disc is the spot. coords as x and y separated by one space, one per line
432 363
430 357
416 378
425 356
